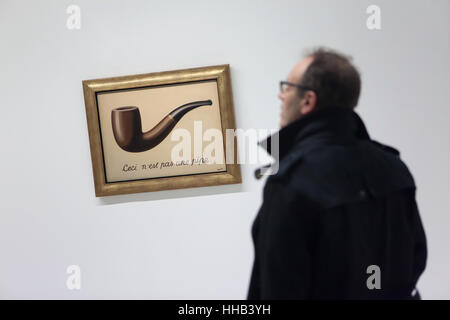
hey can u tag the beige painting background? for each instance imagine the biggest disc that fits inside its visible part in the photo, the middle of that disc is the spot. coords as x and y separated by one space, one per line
154 104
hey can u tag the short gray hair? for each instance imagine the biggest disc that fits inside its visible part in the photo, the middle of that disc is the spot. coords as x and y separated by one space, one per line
333 77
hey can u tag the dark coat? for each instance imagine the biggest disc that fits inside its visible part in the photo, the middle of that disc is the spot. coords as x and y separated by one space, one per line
339 203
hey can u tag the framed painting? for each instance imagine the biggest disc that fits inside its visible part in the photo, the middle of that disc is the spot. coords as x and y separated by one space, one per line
161 131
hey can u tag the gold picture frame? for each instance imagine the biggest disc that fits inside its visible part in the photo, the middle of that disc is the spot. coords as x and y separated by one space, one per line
109 101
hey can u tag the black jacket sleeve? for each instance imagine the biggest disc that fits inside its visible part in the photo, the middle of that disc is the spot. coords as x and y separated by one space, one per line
283 248
420 247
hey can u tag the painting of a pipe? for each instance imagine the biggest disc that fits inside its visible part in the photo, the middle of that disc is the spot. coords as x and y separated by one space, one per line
127 127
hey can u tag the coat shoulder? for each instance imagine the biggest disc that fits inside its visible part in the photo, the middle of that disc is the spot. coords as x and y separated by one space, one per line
385 147
335 174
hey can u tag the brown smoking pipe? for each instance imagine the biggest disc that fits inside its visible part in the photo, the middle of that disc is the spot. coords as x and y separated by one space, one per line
127 128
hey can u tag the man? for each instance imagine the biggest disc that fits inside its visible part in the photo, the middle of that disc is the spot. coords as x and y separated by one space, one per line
339 219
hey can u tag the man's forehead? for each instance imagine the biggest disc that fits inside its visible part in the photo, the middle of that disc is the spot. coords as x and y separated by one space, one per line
299 69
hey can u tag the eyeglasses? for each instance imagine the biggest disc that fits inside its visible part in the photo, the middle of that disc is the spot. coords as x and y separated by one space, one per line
285 84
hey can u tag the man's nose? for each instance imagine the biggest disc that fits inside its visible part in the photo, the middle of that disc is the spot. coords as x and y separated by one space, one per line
280 95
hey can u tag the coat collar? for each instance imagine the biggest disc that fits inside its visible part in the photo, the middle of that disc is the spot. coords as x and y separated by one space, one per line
341 123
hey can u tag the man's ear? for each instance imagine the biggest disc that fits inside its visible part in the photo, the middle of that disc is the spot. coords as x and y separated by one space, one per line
308 102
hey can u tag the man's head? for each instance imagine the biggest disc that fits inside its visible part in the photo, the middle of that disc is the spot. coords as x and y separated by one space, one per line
324 79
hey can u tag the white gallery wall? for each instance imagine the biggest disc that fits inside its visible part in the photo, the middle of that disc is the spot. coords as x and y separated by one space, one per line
195 243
